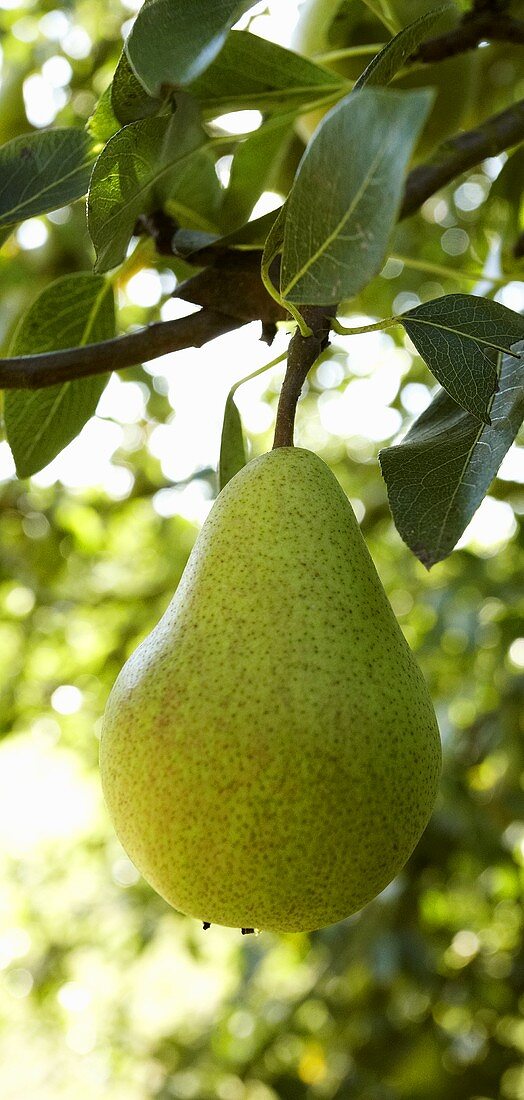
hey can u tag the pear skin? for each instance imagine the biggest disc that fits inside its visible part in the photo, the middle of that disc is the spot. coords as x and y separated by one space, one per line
270 754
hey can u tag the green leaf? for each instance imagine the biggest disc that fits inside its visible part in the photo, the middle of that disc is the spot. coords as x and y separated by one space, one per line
388 62
251 72
196 195
381 9
232 447
74 310
129 99
437 477
188 242
346 195
5 234
460 337
42 171
504 210
103 123
252 235
508 184
273 246
252 164
133 175
172 42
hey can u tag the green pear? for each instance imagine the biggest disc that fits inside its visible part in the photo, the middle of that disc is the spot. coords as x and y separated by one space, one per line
270 755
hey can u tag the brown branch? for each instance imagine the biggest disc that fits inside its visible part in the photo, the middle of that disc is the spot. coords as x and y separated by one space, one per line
473 29
303 352
53 367
518 247
462 152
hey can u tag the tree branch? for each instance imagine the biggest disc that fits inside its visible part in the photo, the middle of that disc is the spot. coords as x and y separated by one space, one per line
53 367
303 352
474 28
462 152
50 368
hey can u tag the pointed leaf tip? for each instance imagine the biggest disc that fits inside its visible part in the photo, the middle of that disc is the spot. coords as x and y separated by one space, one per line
357 157
438 475
232 446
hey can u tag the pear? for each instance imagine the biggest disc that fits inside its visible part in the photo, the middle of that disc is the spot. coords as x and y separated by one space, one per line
270 755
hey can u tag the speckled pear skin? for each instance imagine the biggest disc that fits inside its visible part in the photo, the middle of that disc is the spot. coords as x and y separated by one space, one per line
270 755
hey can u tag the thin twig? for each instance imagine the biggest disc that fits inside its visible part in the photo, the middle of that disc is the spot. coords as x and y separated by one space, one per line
303 352
462 152
475 28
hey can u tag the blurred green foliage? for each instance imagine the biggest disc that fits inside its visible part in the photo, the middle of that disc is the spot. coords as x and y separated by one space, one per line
114 994
104 990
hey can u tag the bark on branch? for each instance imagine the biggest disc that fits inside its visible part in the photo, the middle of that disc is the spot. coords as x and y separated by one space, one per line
462 152
303 352
49 368
488 26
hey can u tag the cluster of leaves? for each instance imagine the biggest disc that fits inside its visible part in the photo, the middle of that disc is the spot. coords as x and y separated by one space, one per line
150 145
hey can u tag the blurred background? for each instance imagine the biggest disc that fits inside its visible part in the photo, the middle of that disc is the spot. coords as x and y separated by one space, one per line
104 990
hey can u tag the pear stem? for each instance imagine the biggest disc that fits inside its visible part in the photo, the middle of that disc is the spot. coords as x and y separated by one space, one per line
303 353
